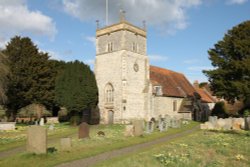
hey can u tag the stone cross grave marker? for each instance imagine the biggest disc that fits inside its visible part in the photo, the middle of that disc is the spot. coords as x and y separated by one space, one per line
37 139
83 130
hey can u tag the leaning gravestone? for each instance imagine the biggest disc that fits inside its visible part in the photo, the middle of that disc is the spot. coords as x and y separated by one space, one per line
83 130
66 144
37 140
138 127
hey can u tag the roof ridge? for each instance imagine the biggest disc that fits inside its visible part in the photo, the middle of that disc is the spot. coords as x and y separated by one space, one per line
167 70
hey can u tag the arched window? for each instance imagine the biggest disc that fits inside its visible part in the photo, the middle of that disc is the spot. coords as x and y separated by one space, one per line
109 93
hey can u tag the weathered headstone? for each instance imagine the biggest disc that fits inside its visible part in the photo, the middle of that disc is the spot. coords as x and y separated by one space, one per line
7 125
37 139
151 126
175 123
138 127
168 121
161 126
228 124
52 120
148 127
209 125
65 144
83 130
41 123
213 120
237 123
51 127
247 123
203 126
129 130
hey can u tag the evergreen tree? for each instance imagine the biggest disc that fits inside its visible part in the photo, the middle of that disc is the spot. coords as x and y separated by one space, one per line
76 87
32 78
4 70
230 78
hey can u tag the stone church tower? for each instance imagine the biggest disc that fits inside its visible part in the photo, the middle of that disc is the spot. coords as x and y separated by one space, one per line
122 73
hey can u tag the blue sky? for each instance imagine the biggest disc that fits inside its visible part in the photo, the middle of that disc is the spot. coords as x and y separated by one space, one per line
179 31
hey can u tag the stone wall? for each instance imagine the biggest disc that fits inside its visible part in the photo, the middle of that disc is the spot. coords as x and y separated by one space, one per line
164 105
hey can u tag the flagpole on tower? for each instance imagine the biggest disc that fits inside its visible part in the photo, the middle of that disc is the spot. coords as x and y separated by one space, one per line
107 14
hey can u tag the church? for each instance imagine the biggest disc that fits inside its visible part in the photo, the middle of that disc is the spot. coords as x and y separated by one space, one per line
129 88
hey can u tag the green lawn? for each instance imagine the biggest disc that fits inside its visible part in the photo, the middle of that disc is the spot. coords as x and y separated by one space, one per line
113 139
15 138
201 149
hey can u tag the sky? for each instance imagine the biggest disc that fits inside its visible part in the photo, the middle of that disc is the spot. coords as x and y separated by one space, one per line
179 32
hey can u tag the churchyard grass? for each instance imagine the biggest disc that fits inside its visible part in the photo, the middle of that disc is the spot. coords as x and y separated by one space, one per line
203 148
113 139
14 138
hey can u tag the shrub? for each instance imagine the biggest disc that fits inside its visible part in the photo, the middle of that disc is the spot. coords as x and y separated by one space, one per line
219 110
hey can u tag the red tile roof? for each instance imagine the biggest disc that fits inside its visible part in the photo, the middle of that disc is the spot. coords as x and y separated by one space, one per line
173 83
205 95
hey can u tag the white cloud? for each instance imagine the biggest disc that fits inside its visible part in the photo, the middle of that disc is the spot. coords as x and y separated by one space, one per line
90 62
3 42
168 16
92 40
158 58
239 2
199 68
16 18
191 61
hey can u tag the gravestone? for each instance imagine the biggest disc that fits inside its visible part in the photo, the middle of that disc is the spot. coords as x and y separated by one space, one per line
148 127
65 144
203 126
138 127
164 124
41 123
52 120
168 121
129 130
52 127
151 126
209 125
83 130
213 120
175 123
247 123
160 126
228 124
7 125
237 123
37 139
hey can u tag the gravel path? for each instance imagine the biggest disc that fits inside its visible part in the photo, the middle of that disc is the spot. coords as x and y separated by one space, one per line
88 162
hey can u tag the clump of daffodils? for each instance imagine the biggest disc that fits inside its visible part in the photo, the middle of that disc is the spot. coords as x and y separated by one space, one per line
239 157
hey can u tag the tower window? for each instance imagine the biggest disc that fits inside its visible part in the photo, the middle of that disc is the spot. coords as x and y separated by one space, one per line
109 93
134 47
110 47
